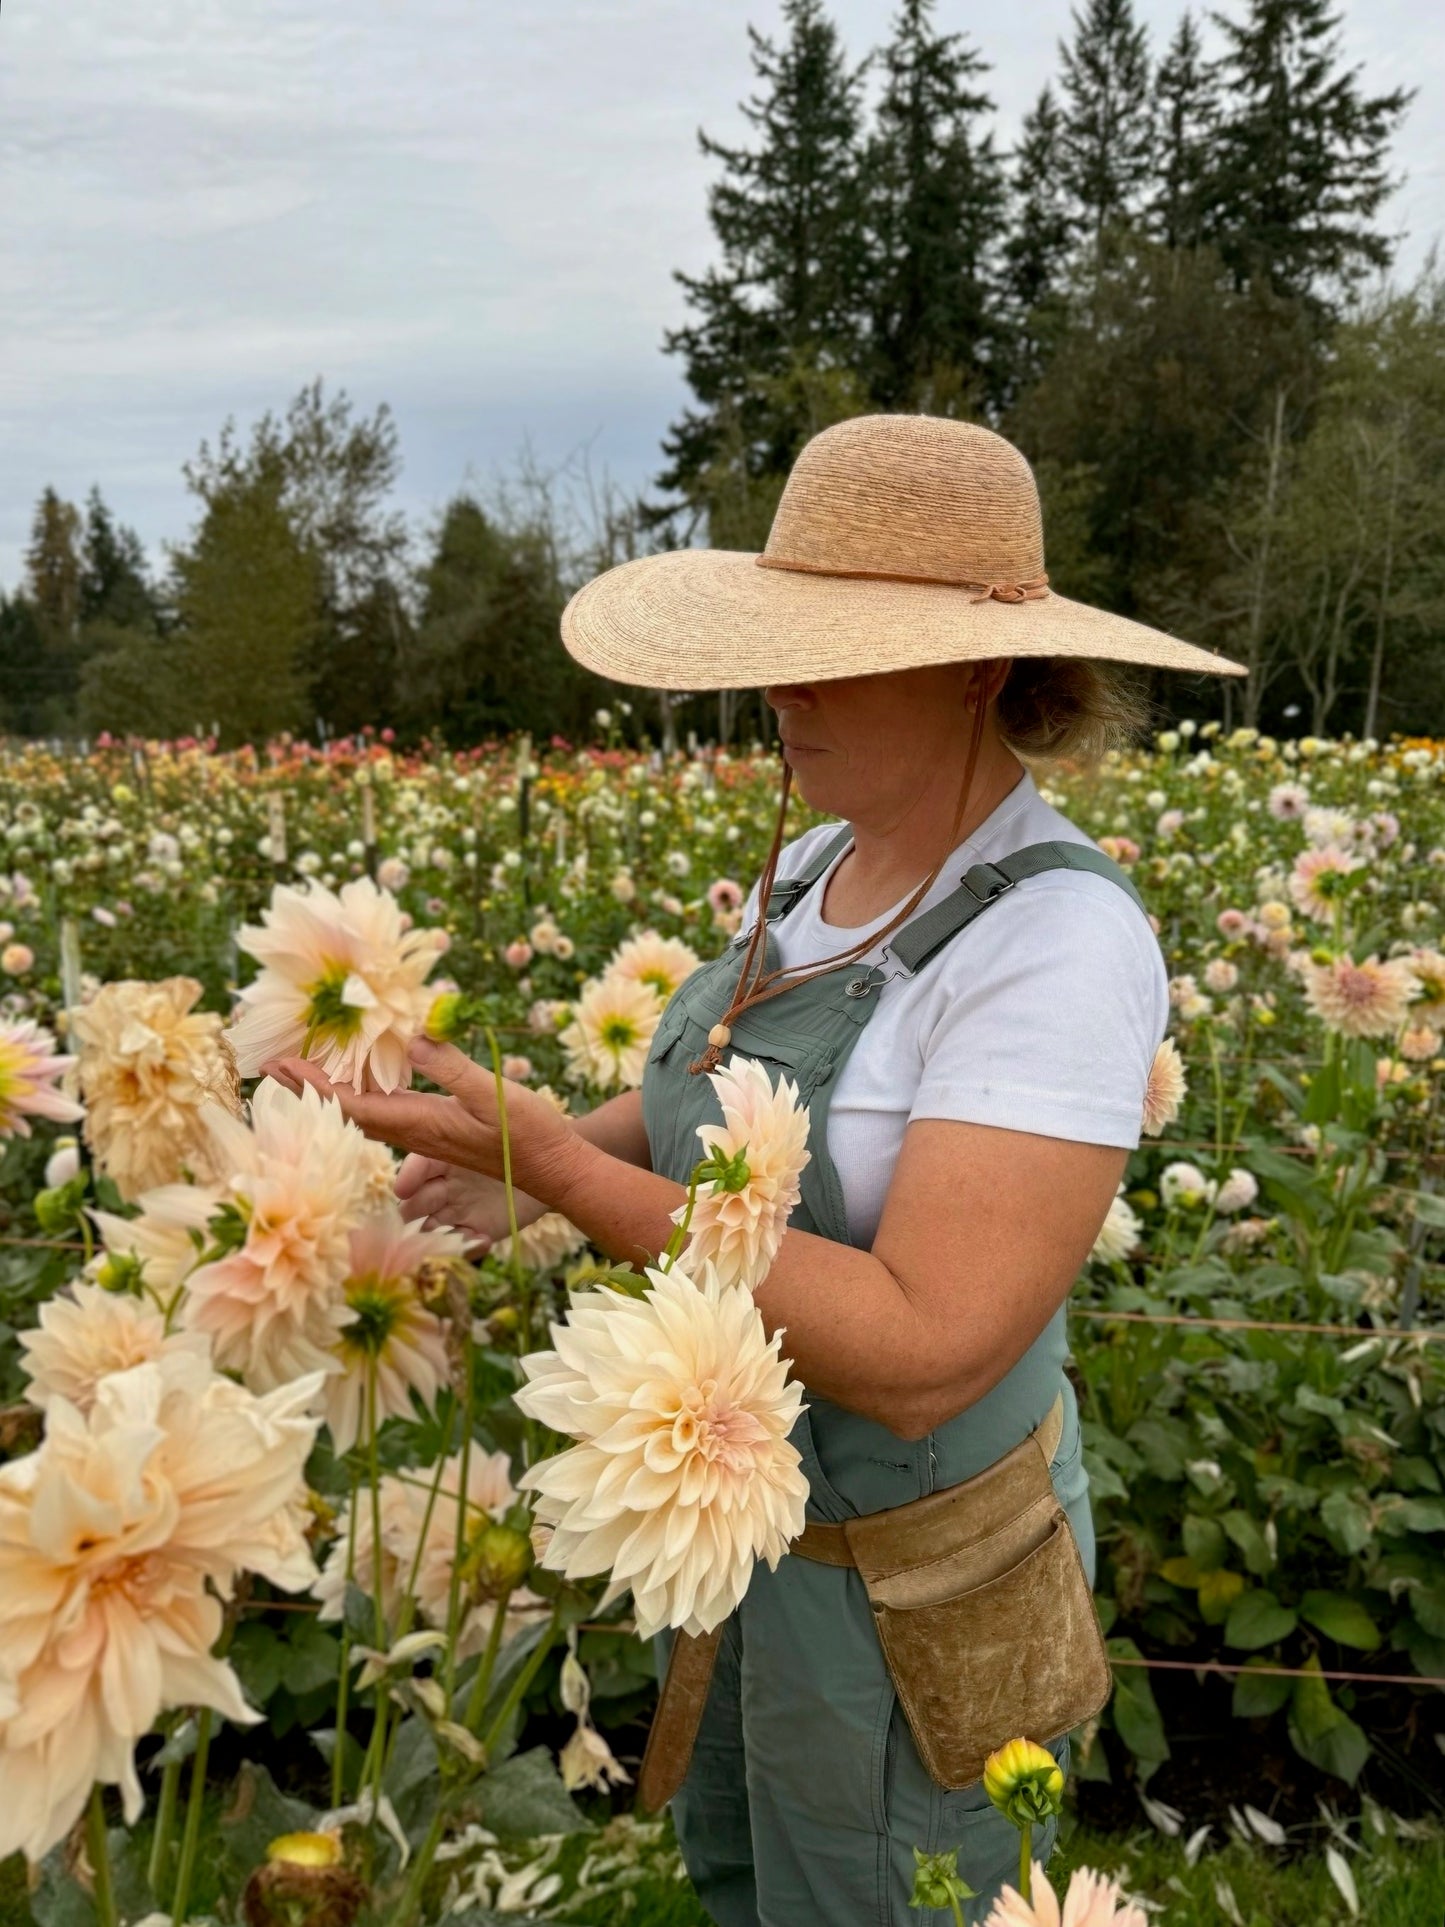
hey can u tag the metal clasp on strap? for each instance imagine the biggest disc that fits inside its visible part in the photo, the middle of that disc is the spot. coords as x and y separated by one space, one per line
887 956
993 879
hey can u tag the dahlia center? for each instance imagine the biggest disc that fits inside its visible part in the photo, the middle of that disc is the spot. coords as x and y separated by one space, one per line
618 1033
712 1426
327 1012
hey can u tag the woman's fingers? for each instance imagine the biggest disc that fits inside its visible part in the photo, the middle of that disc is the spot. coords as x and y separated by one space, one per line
429 1200
417 1171
455 1072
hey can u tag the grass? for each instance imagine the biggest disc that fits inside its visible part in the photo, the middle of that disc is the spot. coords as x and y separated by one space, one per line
1401 1883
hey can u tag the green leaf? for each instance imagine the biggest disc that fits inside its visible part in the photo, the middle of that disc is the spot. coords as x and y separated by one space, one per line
1257 1695
1428 1605
1258 1619
1164 1445
525 1796
310 1656
1341 1618
1204 1541
1430 1209
1346 1519
1422 1515
253 1817
1137 1719
1322 1100
1248 1535
1322 1733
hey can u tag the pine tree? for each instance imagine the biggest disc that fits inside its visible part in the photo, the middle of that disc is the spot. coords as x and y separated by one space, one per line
936 194
1301 162
789 291
1037 247
1108 133
114 581
53 569
1187 96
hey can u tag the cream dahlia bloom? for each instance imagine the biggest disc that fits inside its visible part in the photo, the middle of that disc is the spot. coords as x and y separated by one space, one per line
343 981
661 962
150 1065
738 1231
544 1243
611 1029
85 1334
682 1476
1119 1233
159 1248
1093 1900
389 1324
1420 1043
412 1543
1428 967
296 1187
1164 1092
1369 999
1310 881
120 1537
28 1070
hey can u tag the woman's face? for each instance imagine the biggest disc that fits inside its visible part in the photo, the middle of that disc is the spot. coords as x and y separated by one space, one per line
865 747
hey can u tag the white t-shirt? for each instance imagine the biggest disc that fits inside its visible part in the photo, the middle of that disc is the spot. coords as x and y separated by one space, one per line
1043 1015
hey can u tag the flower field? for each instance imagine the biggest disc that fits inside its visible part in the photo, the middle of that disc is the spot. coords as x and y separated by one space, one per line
270 1553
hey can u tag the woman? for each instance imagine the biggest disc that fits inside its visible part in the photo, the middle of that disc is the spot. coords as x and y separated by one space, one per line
974 1055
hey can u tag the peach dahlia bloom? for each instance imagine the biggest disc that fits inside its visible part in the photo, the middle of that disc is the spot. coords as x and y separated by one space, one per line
1310 883
120 1538
738 1232
544 1243
662 962
1093 1900
343 981
1369 999
612 1027
683 1476
1164 1092
29 1068
86 1333
1428 967
150 1064
273 1303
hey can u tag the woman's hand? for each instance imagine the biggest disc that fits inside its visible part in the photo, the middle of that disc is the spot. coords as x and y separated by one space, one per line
463 1128
434 1193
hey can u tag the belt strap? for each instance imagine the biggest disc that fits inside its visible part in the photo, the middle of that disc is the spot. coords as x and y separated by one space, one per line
827 1545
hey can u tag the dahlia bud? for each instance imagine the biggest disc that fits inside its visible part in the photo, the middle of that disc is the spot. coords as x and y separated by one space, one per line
1024 1782
447 1018
498 1560
936 1881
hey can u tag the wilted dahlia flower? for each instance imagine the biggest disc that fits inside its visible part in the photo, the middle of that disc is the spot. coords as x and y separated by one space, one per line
28 1070
120 1537
1369 999
150 1064
343 981
738 1225
682 1476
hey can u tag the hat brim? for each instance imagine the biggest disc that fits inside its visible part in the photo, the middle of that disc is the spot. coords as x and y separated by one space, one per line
701 619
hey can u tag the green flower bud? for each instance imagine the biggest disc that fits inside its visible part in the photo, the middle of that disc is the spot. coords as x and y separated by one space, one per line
497 1561
936 1880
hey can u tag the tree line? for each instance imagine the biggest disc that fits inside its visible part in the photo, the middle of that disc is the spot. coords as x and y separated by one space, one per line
1171 290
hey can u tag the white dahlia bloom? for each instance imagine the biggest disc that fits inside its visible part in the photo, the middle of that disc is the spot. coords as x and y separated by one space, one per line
343 981
274 1303
1238 1191
1119 1233
682 1476
1186 1184
739 1231
120 1539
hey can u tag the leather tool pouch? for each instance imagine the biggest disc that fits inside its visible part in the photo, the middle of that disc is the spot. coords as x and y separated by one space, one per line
985 1615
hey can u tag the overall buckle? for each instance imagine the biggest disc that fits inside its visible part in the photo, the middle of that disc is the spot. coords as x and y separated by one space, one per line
993 881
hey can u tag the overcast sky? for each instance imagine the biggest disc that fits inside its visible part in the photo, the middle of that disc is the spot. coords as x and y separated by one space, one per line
469 209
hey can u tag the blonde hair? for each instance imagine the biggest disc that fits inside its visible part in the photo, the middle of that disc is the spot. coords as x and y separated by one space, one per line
1070 709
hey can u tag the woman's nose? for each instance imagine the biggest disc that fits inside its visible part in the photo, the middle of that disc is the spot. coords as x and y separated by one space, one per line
788 695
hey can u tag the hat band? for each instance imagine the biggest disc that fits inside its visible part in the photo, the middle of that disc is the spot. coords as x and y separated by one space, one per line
1031 591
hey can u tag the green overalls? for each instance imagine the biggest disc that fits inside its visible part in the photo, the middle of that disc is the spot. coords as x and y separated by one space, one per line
806 1795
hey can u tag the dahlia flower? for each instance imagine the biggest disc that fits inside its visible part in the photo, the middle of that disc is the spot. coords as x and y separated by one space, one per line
662 962
738 1228
1428 967
1314 882
1186 1184
343 981
412 1542
120 1538
1287 802
1238 1191
1369 999
295 1189
1119 1233
1420 1043
1164 1092
611 1029
544 1243
389 1325
85 1334
150 1065
28 1070
682 1476
1092 1901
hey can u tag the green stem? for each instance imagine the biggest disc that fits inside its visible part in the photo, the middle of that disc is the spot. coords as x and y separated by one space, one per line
523 1680
957 1910
377 1748
459 1544
195 1802
477 1698
421 1867
98 1852
679 1237
1026 1861
514 1256
160 1855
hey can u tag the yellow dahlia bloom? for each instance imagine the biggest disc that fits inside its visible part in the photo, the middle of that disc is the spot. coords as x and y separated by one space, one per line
611 1030
682 1476
28 1070
1164 1092
1369 999
86 1333
295 1188
765 1132
343 981
1093 1900
661 962
149 1065
1023 1781
120 1538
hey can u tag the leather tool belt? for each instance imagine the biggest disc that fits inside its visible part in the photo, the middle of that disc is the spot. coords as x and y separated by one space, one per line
983 1609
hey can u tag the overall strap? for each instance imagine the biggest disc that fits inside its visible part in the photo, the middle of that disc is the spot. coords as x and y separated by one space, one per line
787 891
985 883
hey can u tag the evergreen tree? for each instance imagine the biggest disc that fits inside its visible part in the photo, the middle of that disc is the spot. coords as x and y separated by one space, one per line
1036 250
789 290
26 685
936 194
1301 158
114 581
1186 93
1107 141
53 569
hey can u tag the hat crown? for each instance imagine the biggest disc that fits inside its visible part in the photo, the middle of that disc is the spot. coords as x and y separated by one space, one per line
918 497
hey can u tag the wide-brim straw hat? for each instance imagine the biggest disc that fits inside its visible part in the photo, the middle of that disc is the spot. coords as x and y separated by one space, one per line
900 540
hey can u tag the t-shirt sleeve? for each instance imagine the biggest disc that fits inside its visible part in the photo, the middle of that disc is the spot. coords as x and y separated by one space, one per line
1048 1021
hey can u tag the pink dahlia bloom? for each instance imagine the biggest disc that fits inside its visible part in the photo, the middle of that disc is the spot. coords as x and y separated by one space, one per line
1315 880
1369 999
1093 1900
29 1068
